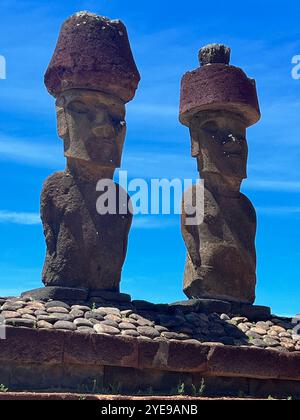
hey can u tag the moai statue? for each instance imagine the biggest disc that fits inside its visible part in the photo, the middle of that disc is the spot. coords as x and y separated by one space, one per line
92 75
218 103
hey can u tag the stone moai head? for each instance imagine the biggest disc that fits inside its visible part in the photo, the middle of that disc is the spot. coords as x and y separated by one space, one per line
218 103
92 125
92 75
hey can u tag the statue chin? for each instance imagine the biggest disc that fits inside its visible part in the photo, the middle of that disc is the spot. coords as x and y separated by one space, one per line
222 184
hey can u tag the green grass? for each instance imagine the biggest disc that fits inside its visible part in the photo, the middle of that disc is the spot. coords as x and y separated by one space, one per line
3 388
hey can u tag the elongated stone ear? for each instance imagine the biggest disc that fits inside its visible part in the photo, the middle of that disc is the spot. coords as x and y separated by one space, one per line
194 133
62 126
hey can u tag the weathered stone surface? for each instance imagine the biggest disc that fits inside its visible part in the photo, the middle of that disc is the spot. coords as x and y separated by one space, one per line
254 312
187 357
36 306
94 321
45 355
57 310
57 293
32 346
179 324
86 248
160 328
209 87
227 269
21 322
203 305
61 317
218 103
44 325
99 349
9 314
258 342
28 316
82 308
153 354
109 311
244 328
12 306
100 311
127 312
126 326
171 335
106 329
148 332
114 318
130 333
141 321
214 54
94 315
144 305
65 325
104 255
110 296
110 323
171 321
271 342
76 313
57 304
47 318
82 322
254 363
258 330
85 330
104 59
288 346
25 311
38 313
277 329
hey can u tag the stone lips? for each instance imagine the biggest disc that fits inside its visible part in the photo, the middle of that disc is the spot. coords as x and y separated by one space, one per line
93 52
218 87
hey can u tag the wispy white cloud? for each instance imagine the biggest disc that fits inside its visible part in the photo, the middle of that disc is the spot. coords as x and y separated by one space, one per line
139 222
153 110
168 164
278 211
272 185
19 218
26 152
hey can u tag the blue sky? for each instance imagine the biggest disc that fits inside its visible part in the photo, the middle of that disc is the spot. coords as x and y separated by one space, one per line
165 37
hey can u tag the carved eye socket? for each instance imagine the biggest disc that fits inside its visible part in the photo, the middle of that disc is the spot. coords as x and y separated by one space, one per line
78 107
211 128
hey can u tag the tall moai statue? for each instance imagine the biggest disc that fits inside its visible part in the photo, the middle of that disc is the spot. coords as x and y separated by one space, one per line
92 75
218 103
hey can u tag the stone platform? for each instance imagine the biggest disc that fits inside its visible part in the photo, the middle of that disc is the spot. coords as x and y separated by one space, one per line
120 346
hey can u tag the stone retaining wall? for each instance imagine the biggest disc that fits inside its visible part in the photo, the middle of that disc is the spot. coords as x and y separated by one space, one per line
66 361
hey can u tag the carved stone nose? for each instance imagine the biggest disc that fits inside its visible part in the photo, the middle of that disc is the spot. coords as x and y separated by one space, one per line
104 130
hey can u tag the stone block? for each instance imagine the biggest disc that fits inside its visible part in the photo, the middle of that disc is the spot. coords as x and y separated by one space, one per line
100 350
57 293
31 345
